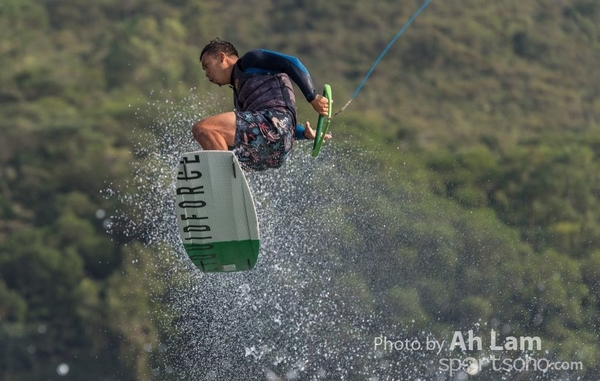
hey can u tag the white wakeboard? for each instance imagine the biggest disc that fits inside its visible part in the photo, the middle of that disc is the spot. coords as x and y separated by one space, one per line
215 212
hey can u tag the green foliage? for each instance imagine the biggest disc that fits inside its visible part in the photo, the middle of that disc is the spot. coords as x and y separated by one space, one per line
13 307
130 310
405 307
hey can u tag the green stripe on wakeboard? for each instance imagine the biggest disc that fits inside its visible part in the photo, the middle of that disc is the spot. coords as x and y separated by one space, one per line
224 256
322 124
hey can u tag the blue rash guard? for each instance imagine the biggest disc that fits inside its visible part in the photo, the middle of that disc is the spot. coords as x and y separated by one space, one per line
261 81
265 107
269 62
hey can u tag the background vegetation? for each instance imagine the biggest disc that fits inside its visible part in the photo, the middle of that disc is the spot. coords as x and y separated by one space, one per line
494 108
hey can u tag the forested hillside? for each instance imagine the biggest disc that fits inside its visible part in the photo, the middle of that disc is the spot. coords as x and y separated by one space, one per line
486 115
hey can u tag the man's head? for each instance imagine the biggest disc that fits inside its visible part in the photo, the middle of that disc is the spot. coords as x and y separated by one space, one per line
217 45
217 59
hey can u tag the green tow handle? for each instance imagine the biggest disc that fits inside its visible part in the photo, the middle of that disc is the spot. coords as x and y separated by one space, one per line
322 124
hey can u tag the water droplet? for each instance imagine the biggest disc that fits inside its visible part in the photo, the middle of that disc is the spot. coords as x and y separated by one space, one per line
62 369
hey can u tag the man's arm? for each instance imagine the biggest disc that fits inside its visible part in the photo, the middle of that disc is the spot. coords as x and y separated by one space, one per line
266 61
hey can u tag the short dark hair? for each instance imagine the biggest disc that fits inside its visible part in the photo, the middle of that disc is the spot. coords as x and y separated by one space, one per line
217 45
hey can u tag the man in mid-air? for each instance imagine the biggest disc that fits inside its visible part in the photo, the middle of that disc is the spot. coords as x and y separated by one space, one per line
263 125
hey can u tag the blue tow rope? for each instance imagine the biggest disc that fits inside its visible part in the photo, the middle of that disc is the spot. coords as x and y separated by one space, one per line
406 25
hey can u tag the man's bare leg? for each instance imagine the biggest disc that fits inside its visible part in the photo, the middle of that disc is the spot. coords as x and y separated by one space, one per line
216 132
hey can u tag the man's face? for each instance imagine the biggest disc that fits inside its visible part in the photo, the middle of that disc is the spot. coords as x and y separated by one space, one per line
213 66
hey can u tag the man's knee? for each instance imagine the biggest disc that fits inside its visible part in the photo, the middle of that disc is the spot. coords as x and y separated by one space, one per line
199 130
214 133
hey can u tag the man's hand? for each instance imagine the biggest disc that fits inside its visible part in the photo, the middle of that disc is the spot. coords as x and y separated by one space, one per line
310 134
321 105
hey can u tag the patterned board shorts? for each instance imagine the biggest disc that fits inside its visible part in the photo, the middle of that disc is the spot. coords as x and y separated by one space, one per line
263 139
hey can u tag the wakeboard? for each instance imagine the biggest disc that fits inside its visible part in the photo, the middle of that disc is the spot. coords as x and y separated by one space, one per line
215 212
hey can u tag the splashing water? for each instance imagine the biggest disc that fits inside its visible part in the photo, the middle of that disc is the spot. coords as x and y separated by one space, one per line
298 315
